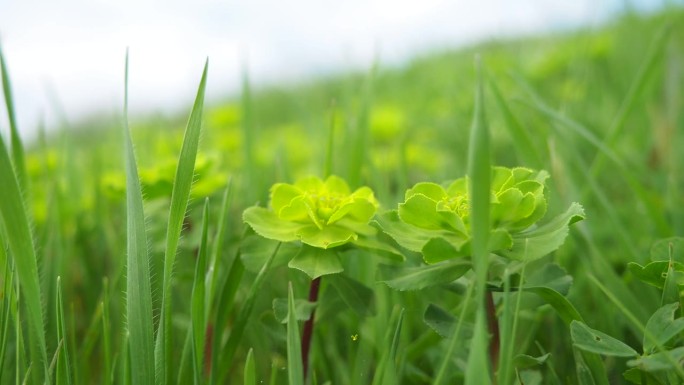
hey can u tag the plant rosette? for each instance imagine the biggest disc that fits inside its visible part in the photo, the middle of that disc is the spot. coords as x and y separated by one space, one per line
325 216
434 220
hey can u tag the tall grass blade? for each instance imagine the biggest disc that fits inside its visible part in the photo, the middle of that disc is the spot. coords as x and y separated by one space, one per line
5 311
15 218
648 67
242 319
15 139
479 172
179 203
108 374
198 314
138 287
250 370
63 361
295 369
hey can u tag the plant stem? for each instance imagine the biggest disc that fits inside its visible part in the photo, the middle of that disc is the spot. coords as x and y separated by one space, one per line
309 325
493 326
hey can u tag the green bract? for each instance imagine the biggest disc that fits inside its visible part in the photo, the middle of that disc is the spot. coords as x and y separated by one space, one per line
434 220
322 214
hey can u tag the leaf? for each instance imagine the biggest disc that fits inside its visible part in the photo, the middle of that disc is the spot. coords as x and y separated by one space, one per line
180 195
356 295
303 309
267 224
139 321
379 248
635 376
659 361
326 237
655 273
443 323
416 278
255 251
524 361
250 370
437 250
664 249
662 326
552 276
533 244
295 369
411 237
421 211
198 313
594 341
316 262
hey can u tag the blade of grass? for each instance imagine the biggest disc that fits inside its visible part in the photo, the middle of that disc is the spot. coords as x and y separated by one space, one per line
648 67
241 322
63 361
138 288
15 218
179 202
107 375
6 310
250 370
198 315
295 369
479 172
15 139
212 273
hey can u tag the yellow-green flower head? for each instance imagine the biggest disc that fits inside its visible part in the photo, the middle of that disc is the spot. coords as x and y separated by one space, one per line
322 214
434 219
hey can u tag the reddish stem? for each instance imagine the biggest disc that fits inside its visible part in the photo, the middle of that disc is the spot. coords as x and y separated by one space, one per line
309 325
493 326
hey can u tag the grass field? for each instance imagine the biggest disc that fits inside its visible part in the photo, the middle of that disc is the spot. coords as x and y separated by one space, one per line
326 233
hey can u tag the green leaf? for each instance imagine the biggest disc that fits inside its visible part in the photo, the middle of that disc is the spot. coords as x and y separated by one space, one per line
379 248
303 309
663 327
524 361
316 262
180 195
659 361
63 360
139 321
636 375
295 369
267 224
255 251
356 295
250 369
198 319
326 237
416 278
594 341
438 250
421 211
552 276
665 249
655 273
535 243
443 323
15 138
411 237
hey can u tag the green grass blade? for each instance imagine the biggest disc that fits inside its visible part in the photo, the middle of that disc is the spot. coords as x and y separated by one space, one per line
5 311
648 67
295 369
63 361
479 172
16 222
242 319
15 139
107 375
179 203
198 314
212 274
138 288
524 145
250 370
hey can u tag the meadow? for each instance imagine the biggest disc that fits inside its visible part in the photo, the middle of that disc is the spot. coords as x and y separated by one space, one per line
507 213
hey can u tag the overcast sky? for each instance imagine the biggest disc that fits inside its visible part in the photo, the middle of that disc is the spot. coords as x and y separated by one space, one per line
72 51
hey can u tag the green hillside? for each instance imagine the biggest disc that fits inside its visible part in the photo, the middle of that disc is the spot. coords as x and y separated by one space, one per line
423 280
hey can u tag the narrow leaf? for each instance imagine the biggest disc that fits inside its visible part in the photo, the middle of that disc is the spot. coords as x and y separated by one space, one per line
295 370
594 341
